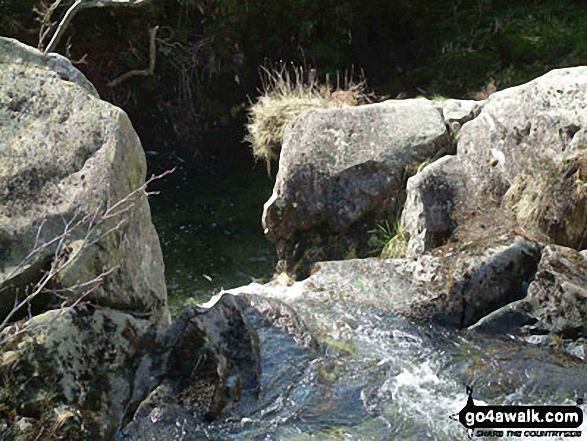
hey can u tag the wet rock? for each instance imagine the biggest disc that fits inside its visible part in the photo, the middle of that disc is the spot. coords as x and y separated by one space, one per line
211 364
555 309
556 305
519 164
482 276
340 171
456 285
67 156
228 360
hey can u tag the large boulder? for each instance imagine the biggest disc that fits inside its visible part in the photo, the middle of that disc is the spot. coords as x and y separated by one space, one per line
456 285
558 294
555 309
84 372
342 171
69 374
213 389
68 207
521 163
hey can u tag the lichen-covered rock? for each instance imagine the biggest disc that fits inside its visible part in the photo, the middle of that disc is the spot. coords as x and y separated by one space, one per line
482 276
85 373
522 163
67 157
555 308
558 293
341 171
70 373
262 358
213 368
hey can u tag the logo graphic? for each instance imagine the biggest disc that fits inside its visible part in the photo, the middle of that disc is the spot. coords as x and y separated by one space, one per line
559 419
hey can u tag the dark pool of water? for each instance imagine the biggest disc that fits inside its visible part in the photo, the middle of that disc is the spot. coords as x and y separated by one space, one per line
208 217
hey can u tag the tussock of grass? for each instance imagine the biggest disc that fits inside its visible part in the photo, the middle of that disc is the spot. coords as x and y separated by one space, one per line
397 247
388 241
550 202
287 94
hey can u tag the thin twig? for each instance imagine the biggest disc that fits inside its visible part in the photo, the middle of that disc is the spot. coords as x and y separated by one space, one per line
62 260
110 211
79 5
143 72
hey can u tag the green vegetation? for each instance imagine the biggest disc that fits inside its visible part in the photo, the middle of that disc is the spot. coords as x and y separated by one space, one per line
209 53
380 236
550 204
288 94
388 241
397 246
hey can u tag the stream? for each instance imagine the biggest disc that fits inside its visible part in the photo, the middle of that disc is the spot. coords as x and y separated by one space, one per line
374 376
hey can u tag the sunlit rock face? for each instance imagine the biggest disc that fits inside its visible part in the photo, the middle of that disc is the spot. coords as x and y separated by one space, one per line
341 171
521 163
78 366
67 159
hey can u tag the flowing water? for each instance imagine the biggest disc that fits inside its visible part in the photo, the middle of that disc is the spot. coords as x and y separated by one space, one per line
373 376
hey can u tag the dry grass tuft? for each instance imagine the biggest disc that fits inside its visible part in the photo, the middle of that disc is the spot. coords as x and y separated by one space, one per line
551 201
397 247
289 93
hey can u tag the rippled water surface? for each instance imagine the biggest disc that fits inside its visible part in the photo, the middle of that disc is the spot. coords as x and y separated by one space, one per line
373 376
209 222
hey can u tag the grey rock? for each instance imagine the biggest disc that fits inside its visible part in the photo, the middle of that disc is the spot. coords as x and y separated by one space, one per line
92 372
458 112
15 52
559 293
428 217
341 170
456 285
526 145
78 367
67 156
207 362
212 386
555 309
507 320
481 276
539 118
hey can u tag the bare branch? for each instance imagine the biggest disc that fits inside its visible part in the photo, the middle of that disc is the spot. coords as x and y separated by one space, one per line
110 212
62 258
144 72
79 5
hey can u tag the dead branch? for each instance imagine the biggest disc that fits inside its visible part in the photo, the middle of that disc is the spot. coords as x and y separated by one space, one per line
144 72
62 259
45 12
79 5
